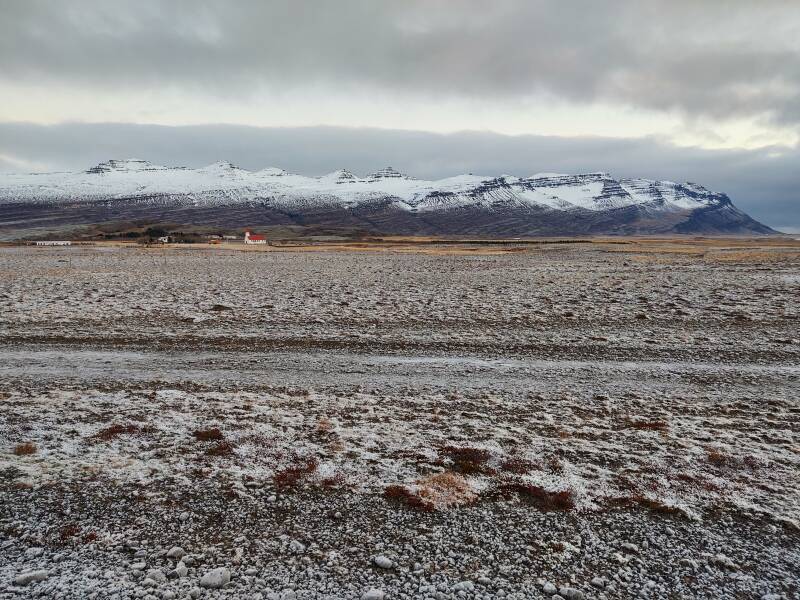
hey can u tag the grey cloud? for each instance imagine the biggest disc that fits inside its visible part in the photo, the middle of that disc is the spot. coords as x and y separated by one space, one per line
705 59
762 182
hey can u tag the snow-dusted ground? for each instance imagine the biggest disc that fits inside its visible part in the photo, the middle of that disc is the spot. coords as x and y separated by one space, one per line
485 423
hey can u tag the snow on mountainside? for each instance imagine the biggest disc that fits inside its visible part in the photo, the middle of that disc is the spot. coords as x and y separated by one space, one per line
138 178
523 201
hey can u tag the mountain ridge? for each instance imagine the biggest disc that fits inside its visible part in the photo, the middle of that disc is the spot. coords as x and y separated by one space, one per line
386 201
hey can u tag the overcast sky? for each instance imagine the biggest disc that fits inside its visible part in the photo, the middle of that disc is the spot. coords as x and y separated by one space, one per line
699 90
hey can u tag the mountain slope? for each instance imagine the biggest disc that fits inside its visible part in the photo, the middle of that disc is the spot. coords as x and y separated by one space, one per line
384 202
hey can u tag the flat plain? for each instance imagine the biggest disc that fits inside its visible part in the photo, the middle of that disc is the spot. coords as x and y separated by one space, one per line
404 418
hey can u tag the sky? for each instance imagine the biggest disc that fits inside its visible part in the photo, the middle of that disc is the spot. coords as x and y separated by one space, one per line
699 90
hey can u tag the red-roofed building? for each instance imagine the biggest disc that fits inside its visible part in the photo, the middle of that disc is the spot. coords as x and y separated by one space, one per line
252 238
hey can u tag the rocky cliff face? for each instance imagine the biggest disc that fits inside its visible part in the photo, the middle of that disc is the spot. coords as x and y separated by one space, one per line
384 202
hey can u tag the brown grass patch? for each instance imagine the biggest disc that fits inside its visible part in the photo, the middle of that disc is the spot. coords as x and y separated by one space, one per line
293 475
468 460
445 489
440 490
208 435
335 481
223 448
25 449
517 465
637 500
718 459
646 425
109 433
68 531
543 499
401 493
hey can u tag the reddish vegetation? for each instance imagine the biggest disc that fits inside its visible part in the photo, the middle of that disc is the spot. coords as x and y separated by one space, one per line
718 458
291 476
544 499
468 460
222 448
25 449
68 531
440 490
401 493
109 433
208 435
337 480
649 425
642 501
517 465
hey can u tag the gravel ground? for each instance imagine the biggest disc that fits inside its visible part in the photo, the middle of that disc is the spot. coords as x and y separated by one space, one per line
582 421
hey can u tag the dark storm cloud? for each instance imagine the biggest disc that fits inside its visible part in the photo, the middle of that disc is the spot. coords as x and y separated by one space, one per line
706 59
761 182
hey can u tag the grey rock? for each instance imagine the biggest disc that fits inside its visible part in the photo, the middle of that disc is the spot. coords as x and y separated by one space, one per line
373 594
723 561
216 578
549 589
569 593
630 548
156 575
31 577
382 562
176 552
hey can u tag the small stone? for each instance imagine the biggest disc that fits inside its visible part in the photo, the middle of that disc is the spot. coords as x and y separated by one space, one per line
195 592
466 586
289 595
548 588
630 548
176 552
569 593
156 575
184 516
178 572
598 582
138 566
297 547
168 595
31 577
373 594
216 578
382 562
723 561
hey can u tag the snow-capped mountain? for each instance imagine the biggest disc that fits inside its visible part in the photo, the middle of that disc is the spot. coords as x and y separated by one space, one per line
386 201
